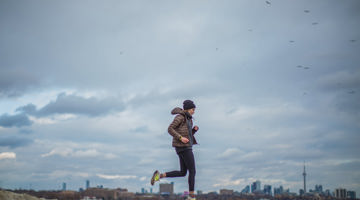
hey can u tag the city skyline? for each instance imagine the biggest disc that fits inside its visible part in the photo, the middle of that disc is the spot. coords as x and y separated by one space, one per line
255 189
87 89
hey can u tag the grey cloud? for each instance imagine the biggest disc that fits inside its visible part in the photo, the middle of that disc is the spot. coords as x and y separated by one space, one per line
348 102
344 81
140 129
17 120
25 131
16 82
180 92
64 104
73 104
14 142
29 109
344 86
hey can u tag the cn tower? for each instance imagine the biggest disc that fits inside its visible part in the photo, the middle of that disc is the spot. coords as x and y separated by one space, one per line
304 174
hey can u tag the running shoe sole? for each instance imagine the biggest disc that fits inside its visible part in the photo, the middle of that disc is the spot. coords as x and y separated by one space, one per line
153 177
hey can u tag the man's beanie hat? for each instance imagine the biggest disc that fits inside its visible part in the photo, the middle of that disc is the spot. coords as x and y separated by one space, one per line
188 104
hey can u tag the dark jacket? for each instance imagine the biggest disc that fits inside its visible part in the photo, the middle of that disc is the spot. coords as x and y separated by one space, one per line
179 128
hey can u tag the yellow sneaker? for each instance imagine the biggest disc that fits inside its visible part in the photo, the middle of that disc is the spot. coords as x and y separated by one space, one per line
155 177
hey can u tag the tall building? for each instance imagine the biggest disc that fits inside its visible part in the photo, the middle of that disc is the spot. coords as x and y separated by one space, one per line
301 192
253 187
318 188
256 186
87 184
246 190
64 187
340 193
166 188
327 192
267 189
304 174
279 190
351 194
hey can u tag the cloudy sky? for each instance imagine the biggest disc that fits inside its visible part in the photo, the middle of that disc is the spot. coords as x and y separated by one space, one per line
86 90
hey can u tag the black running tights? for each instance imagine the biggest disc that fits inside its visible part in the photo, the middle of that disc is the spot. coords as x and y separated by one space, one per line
187 162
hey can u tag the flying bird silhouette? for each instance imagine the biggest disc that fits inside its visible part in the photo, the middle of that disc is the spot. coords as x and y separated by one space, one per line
291 41
268 2
300 66
352 40
306 11
315 23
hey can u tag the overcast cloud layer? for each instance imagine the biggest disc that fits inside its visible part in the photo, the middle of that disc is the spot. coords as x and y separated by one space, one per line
86 90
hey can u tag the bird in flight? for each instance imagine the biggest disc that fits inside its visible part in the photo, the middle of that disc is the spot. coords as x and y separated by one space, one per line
268 2
300 66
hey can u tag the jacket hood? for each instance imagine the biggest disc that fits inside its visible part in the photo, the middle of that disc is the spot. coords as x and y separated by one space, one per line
177 110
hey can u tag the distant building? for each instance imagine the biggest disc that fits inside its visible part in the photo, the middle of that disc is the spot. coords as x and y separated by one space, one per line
340 193
226 192
351 194
166 188
212 193
287 191
64 187
101 193
327 192
87 184
267 190
318 188
199 192
301 192
256 186
246 190
279 190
